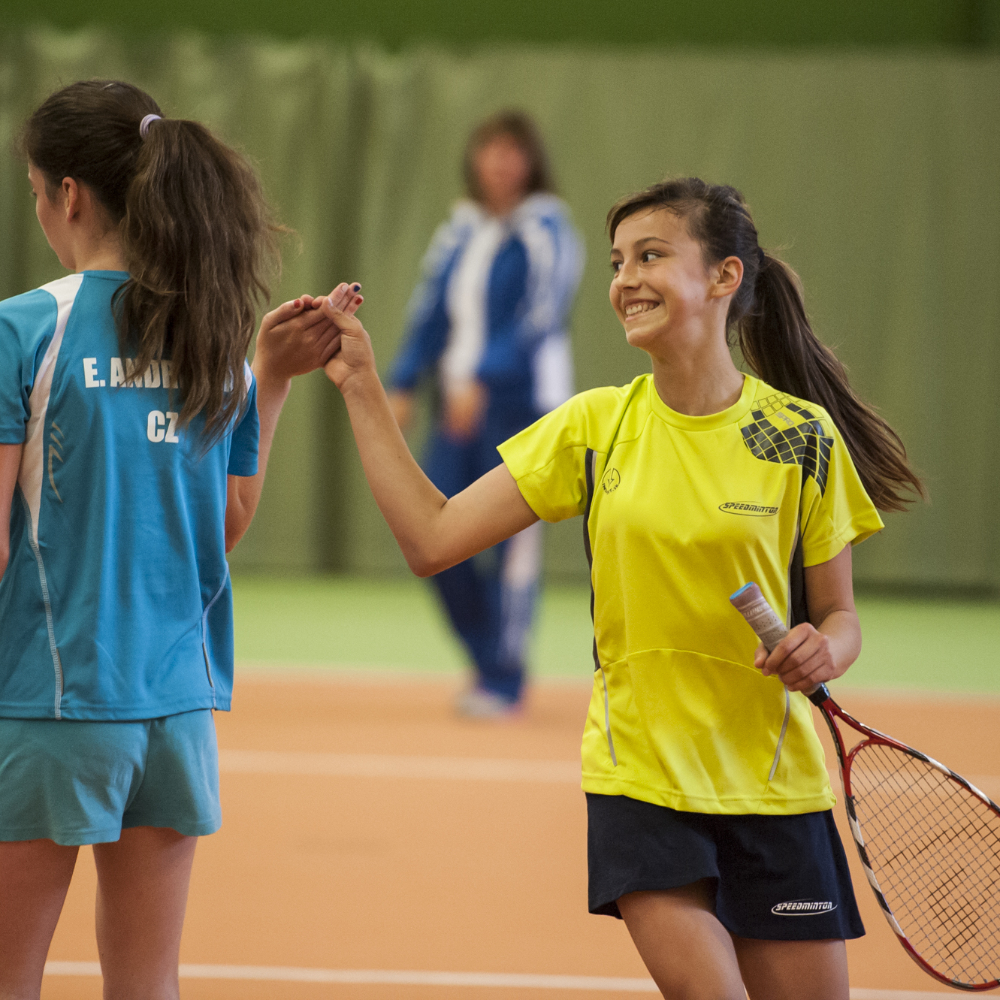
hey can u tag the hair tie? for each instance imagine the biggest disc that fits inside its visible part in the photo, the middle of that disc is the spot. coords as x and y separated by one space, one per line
146 122
761 257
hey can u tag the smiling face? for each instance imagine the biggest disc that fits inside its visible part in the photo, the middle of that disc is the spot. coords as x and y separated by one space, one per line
661 283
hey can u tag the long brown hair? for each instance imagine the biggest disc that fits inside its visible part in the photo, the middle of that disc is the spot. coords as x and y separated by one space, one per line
197 235
521 128
769 317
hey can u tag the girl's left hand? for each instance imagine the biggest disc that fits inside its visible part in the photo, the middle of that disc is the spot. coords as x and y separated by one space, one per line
464 409
803 659
297 337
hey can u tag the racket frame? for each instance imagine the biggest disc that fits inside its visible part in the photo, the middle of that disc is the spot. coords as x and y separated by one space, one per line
831 711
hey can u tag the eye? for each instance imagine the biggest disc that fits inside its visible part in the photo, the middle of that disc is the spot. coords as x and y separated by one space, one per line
616 266
649 255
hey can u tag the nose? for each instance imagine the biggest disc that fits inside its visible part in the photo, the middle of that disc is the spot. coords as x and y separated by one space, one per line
627 276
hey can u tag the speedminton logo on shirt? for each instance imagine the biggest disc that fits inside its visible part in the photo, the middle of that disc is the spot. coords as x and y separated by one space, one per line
748 509
802 908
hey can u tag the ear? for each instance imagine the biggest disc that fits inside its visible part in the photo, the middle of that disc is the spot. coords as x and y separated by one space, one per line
728 276
71 195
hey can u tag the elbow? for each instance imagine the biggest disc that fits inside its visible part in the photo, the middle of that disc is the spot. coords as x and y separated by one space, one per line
423 566
424 563
235 530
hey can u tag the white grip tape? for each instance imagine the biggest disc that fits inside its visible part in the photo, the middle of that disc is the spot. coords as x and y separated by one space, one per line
760 616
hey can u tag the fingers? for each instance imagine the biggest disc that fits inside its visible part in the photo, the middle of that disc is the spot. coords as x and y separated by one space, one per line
330 349
345 298
298 314
789 651
283 313
329 342
343 294
343 318
310 318
801 660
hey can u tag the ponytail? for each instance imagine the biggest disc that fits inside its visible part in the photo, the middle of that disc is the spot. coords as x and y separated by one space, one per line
197 236
769 318
198 241
779 345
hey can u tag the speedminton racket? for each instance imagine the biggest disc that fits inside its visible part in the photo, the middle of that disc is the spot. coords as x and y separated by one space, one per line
929 840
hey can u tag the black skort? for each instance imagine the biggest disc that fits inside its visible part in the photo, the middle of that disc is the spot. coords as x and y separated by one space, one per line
778 878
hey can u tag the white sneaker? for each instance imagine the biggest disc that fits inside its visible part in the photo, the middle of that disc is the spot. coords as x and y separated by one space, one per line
477 703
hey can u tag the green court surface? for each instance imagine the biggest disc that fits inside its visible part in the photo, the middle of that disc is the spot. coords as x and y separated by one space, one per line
351 623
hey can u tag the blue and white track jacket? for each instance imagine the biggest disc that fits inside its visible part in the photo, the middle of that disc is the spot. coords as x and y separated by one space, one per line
493 306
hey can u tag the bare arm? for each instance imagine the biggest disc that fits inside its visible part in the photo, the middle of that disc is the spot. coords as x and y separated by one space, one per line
10 462
823 648
433 531
294 339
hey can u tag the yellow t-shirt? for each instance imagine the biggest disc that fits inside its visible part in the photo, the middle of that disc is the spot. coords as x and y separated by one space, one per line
680 512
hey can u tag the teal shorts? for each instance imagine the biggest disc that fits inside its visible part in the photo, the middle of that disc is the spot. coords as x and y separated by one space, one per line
85 782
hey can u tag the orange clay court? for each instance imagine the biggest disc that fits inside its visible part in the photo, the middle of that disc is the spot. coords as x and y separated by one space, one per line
375 846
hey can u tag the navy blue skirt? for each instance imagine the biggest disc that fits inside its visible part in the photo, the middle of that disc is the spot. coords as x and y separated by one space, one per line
777 878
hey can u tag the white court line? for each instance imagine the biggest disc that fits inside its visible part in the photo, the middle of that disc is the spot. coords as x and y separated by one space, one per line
364 765
988 783
360 765
863 994
391 977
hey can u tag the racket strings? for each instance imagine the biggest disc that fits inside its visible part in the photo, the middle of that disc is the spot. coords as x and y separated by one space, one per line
934 847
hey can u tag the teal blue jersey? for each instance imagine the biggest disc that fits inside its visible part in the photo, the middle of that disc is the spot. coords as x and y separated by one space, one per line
116 602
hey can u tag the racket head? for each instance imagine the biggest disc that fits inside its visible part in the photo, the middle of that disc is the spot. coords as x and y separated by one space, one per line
929 842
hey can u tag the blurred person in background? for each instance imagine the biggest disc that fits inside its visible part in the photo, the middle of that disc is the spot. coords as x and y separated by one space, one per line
488 320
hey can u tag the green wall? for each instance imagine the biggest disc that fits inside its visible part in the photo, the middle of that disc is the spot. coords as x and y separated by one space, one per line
394 23
878 175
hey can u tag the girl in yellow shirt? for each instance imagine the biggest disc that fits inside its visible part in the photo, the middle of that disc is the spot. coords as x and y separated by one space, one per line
710 830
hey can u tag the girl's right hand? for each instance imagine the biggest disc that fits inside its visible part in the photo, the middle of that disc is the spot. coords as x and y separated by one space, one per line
296 338
353 357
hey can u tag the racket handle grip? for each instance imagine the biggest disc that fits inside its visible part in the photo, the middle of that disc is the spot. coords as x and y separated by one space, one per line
769 628
760 616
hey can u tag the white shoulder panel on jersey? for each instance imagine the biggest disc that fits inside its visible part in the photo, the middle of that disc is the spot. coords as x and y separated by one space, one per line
64 291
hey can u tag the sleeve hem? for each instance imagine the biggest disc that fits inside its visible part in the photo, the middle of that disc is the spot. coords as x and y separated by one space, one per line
240 470
532 497
533 503
854 533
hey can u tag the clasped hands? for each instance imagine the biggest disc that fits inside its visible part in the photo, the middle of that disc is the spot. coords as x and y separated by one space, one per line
309 333
301 335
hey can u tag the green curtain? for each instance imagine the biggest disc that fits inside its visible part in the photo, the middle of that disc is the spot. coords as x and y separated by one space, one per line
877 176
